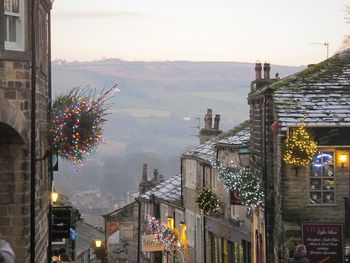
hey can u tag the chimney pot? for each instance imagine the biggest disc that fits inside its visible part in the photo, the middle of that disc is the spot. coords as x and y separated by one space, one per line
258 71
267 69
208 120
216 121
144 172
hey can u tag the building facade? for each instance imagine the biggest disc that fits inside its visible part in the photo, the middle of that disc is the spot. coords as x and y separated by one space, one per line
24 71
304 204
225 236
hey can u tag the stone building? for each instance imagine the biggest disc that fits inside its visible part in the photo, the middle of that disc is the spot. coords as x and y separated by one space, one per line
24 69
304 204
125 225
163 202
224 237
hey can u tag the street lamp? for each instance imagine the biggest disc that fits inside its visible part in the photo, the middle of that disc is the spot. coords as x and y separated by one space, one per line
54 197
244 156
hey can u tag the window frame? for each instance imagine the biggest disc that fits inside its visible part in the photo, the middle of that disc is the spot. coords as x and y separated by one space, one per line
321 178
19 44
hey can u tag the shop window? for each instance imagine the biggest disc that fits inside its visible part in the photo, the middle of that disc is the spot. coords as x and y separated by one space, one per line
14 24
322 179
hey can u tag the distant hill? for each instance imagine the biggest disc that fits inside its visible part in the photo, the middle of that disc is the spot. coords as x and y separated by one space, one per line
148 114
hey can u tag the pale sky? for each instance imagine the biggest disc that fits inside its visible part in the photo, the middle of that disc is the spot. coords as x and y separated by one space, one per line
277 31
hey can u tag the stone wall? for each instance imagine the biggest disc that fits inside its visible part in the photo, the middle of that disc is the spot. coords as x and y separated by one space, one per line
15 138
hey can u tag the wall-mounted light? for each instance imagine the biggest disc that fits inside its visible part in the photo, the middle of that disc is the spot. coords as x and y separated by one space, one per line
54 197
98 243
244 156
170 222
343 159
183 236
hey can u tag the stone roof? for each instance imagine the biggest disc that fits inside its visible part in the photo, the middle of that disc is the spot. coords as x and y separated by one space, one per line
85 234
241 138
169 190
206 152
321 93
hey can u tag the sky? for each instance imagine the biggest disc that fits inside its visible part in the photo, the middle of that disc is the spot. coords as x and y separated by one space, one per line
276 31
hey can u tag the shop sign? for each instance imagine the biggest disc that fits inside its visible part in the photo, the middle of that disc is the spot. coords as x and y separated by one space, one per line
150 243
324 242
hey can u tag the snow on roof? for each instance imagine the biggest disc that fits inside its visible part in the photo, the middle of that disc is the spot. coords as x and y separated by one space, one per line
169 190
205 152
321 93
241 138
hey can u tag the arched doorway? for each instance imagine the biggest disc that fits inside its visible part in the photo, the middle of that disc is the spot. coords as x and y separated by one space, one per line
14 191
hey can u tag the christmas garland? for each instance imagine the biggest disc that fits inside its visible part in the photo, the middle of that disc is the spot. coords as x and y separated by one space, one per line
207 201
300 148
163 233
243 180
76 124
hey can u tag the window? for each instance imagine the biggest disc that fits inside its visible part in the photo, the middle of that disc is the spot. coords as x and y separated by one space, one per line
214 179
14 24
190 222
179 216
191 174
164 213
322 178
127 231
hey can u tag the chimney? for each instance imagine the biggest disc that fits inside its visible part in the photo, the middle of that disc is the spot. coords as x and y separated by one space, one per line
155 175
267 69
216 121
144 172
208 119
258 71
208 132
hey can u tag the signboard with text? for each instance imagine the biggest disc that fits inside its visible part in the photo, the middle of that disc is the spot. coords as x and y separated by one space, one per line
150 243
324 242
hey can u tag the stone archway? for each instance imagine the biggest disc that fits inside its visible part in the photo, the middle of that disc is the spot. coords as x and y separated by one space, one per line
14 187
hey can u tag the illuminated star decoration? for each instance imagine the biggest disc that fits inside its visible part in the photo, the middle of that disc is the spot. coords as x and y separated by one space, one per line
299 147
76 124
164 234
242 180
207 201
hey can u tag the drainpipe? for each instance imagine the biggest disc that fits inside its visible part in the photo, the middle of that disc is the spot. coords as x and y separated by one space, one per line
204 222
49 80
181 171
32 145
138 231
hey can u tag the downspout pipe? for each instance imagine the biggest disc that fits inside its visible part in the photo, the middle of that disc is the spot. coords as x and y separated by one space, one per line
32 139
139 231
49 80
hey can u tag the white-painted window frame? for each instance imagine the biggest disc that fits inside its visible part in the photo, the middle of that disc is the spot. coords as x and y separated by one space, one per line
20 25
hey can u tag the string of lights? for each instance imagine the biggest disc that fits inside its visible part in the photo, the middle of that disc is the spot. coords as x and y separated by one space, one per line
76 125
207 201
243 180
299 148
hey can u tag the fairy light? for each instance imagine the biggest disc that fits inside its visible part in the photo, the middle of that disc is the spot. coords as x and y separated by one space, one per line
243 180
207 201
76 126
300 148
168 237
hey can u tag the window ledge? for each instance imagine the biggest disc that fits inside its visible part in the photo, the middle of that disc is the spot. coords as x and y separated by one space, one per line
322 205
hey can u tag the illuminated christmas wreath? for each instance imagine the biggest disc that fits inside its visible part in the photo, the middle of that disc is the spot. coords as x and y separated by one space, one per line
76 124
243 180
207 201
168 237
299 148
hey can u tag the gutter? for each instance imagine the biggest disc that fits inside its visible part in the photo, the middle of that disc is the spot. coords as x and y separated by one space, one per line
138 231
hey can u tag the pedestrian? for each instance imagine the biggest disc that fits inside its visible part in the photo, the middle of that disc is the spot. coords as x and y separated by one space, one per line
6 253
300 255
64 256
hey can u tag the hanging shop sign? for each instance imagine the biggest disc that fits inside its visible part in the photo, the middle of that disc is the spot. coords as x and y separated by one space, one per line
150 243
324 242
